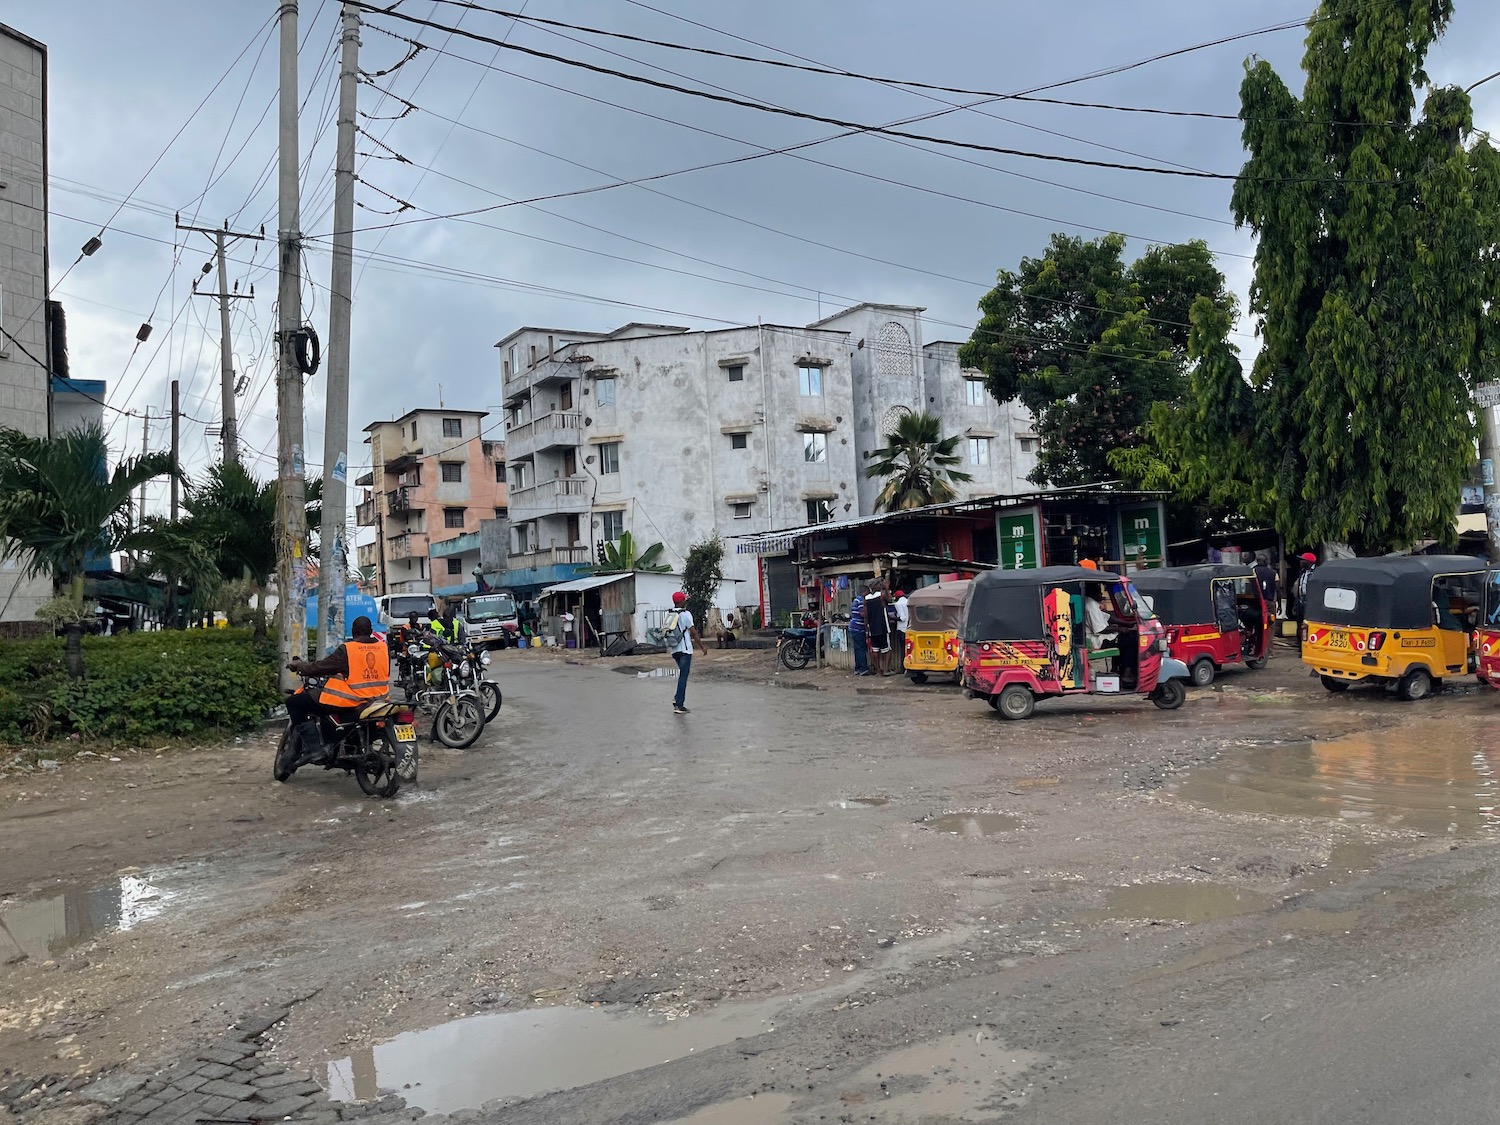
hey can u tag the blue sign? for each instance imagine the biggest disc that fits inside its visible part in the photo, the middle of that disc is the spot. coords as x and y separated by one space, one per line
355 605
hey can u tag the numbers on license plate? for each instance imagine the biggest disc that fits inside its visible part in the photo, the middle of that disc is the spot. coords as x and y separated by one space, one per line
406 732
1338 640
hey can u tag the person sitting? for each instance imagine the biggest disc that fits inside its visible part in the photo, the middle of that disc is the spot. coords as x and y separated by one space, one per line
726 631
358 672
1098 628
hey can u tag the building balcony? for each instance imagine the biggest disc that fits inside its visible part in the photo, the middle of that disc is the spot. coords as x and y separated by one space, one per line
562 494
368 554
458 545
560 429
400 500
366 511
409 545
549 556
414 586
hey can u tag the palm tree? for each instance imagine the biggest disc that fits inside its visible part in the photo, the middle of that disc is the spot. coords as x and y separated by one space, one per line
917 465
59 504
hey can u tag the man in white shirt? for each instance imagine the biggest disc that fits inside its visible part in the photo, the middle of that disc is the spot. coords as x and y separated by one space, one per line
1101 632
903 616
682 652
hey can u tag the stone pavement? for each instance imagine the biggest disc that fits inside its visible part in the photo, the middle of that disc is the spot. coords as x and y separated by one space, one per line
230 1081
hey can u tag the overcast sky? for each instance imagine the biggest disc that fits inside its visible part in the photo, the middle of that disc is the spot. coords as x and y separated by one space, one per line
726 245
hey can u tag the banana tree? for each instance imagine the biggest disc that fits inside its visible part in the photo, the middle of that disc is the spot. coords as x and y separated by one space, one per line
621 557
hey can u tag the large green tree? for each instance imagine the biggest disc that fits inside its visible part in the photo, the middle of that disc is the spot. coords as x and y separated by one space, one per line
1375 281
1088 344
59 503
917 464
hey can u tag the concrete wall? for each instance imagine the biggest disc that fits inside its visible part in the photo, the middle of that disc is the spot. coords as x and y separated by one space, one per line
1006 426
24 381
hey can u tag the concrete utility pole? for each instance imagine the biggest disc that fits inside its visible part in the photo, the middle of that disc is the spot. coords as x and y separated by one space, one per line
291 569
1486 397
145 448
333 575
176 435
226 352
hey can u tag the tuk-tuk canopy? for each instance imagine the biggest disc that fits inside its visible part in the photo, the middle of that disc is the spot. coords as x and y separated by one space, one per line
938 607
1183 595
1006 605
1393 592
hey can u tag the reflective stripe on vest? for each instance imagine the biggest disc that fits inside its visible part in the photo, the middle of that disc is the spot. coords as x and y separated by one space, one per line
369 675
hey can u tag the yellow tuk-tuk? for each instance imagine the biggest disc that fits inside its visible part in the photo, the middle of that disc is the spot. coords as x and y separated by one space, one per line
935 616
1408 621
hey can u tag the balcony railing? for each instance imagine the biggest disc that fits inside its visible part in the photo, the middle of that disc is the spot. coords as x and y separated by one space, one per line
408 545
443 548
550 556
561 427
401 499
365 512
561 494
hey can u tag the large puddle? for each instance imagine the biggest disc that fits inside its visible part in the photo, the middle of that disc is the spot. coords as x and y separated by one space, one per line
42 927
1436 777
468 1062
1177 902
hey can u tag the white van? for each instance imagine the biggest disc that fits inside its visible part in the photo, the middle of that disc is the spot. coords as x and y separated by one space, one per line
396 608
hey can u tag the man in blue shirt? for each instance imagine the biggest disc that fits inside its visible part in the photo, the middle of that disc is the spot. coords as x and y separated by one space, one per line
858 637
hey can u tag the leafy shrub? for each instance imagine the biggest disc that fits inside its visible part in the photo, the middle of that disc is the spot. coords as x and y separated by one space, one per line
139 685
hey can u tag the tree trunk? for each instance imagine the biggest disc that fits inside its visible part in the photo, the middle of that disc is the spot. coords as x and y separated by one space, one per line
74 650
260 613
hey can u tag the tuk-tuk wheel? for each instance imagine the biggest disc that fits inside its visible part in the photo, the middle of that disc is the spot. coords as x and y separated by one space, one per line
1416 684
917 677
1016 702
1257 664
1335 686
1203 672
1169 695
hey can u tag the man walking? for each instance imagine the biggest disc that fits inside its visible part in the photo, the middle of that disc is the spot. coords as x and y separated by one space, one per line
682 626
859 639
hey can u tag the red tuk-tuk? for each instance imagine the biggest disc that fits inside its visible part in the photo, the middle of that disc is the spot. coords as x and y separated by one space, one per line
1487 636
1063 630
1214 613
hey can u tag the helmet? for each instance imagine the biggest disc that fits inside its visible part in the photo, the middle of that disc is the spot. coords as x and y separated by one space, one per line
679 598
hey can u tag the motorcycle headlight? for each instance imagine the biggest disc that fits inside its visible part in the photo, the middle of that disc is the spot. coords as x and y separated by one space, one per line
484 658
413 650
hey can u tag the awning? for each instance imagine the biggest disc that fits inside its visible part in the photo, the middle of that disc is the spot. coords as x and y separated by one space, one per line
592 582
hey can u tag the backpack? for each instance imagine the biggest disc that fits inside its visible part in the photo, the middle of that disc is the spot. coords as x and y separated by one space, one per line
672 631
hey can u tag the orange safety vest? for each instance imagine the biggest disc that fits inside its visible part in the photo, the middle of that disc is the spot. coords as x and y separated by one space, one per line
369 675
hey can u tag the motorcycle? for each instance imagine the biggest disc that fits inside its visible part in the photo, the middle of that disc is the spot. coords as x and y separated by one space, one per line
469 672
457 711
795 648
378 746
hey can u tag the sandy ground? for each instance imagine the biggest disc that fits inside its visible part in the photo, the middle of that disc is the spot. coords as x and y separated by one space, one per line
798 835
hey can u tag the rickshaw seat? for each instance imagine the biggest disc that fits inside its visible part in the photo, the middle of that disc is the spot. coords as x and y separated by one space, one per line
1104 653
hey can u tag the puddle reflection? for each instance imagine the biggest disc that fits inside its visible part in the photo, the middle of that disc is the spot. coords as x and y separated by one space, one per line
42 927
1178 902
971 824
1434 777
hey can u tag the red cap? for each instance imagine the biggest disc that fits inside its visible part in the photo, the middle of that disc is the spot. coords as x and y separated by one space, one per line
1308 556
679 598
901 593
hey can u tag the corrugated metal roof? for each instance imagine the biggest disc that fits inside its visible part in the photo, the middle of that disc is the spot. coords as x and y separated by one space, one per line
589 583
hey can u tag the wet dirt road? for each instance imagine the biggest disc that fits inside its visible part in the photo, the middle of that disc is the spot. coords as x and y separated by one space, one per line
854 903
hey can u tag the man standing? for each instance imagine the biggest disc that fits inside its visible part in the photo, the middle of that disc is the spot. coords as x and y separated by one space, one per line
879 629
1265 577
681 624
903 618
858 637
1299 595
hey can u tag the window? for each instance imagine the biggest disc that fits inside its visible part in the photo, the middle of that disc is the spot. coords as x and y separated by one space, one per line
453 517
979 451
613 524
739 441
453 472
515 358
453 427
810 380
565 397
973 392
815 448
533 355
499 472
820 510
736 372
1336 597
742 510
609 457
455 566
413 431
1029 444
519 472
604 392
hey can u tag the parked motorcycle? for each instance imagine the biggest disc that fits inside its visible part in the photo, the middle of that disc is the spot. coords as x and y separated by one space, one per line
795 648
470 672
379 746
434 687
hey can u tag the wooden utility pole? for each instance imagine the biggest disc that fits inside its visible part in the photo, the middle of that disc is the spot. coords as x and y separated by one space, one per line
291 569
220 235
333 574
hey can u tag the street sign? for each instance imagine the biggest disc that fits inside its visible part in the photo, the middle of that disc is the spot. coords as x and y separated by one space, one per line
1487 394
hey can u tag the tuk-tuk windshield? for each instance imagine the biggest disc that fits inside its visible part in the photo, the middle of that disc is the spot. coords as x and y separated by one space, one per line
1143 609
490 607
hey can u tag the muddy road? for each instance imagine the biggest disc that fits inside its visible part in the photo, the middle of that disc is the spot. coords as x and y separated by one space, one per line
811 899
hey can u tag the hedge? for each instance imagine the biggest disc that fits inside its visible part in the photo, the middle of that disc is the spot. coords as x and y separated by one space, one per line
138 685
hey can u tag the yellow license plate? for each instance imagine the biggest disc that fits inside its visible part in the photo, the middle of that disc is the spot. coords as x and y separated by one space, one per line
406 732
1338 640
930 655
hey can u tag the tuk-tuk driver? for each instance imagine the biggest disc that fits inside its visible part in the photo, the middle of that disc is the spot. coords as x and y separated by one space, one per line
1100 630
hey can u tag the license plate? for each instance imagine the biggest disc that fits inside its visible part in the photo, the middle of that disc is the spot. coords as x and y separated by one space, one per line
406 732
1338 640
930 655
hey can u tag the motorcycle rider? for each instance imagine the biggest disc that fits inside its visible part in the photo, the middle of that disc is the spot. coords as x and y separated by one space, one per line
358 672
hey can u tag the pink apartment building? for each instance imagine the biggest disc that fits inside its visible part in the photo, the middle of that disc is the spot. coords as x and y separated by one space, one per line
435 490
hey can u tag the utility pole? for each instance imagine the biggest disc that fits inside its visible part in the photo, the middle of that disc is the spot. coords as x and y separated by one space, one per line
1486 398
291 569
176 411
145 440
333 574
226 353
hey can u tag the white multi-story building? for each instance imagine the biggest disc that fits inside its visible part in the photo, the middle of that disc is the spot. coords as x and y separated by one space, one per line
25 376
672 434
